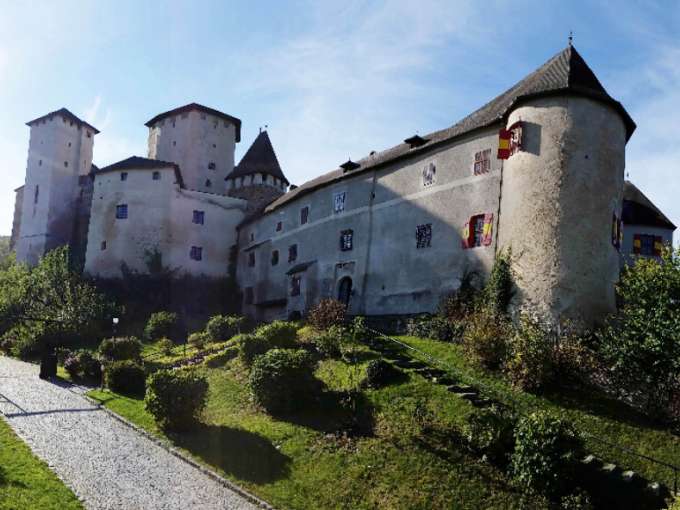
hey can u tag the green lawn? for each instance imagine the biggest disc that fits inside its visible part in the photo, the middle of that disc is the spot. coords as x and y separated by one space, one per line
298 462
26 481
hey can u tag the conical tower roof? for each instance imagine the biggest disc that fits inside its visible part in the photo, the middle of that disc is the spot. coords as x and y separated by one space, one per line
259 158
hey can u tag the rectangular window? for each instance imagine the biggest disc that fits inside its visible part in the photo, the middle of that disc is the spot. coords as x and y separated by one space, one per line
429 174
295 286
196 253
644 244
36 194
339 202
275 257
478 231
212 166
304 215
482 162
156 176
292 253
123 176
346 240
251 259
121 211
249 295
103 245
279 226
199 217
424 236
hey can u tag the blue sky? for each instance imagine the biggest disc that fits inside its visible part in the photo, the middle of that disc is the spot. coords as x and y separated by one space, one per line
331 79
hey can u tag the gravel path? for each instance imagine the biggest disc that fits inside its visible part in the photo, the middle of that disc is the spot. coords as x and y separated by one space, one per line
106 463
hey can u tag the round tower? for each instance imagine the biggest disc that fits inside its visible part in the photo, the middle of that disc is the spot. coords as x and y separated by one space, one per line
558 197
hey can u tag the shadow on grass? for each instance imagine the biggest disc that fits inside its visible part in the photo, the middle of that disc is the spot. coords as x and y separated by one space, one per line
245 455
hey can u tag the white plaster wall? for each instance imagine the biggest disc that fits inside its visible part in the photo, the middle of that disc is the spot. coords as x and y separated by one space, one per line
59 151
160 216
193 140
558 197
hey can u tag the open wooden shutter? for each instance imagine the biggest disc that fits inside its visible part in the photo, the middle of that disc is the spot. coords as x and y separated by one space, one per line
488 229
465 243
658 245
637 244
504 137
620 232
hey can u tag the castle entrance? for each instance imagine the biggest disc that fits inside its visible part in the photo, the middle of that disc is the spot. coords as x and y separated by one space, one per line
345 290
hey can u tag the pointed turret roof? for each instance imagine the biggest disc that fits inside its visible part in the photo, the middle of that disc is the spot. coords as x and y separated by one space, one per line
259 158
565 73
63 112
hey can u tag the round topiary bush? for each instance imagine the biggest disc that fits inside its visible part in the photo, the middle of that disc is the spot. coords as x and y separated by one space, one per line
125 377
82 364
328 343
282 379
165 345
252 346
279 334
223 327
490 431
547 454
119 349
176 398
198 339
380 373
327 313
162 325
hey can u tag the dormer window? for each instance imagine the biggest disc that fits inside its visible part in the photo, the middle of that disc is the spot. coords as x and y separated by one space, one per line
416 141
349 165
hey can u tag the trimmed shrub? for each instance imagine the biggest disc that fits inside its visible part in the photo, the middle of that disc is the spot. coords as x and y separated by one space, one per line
252 346
547 454
360 332
329 343
161 325
530 364
281 379
380 373
82 364
221 358
223 327
579 500
118 349
498 290
485 338
125 377
435 327
198 339
490 431
165 345
176 398
327 313
279 334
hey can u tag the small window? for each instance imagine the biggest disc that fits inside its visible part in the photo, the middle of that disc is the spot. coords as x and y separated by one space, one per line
252 237
212 166
644 244
279 226
295 286
174 143
214 146
65 164
482 162
196 253
40 163
208 183
185 115
339 202
199 217
69 144
248 295
429 174
275 257
346 240
264 178
123 176
103 245
304 215
156 176
89 135
424 236
292 253
121 211
36 194
251 259
215 124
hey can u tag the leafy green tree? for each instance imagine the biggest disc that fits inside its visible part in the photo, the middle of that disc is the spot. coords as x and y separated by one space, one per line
642 342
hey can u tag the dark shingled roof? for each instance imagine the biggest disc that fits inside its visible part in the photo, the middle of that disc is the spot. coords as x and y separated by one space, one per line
67 114
565 73
198 107
138 163
259 158
639 210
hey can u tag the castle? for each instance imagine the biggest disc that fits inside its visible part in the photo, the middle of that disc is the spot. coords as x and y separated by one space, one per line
538 171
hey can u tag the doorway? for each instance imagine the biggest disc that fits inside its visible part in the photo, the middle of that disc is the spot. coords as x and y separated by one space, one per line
345 290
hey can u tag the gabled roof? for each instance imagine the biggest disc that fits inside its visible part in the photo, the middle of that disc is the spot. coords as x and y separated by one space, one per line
639 210
138 163
200 108
66 114
565 73
259 158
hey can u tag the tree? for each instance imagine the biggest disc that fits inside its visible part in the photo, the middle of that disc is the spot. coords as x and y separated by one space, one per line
642 342
52 296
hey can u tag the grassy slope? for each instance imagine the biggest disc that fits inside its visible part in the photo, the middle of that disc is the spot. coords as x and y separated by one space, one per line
294 463
27 482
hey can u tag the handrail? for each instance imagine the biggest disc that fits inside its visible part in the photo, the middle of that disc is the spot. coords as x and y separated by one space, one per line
485 387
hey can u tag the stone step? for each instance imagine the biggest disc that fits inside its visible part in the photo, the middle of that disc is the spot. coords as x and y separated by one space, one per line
658 490
459 388
468 396
611 469
482 402
592 460
446 380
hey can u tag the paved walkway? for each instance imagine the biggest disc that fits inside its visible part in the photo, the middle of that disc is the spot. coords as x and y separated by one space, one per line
107 464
